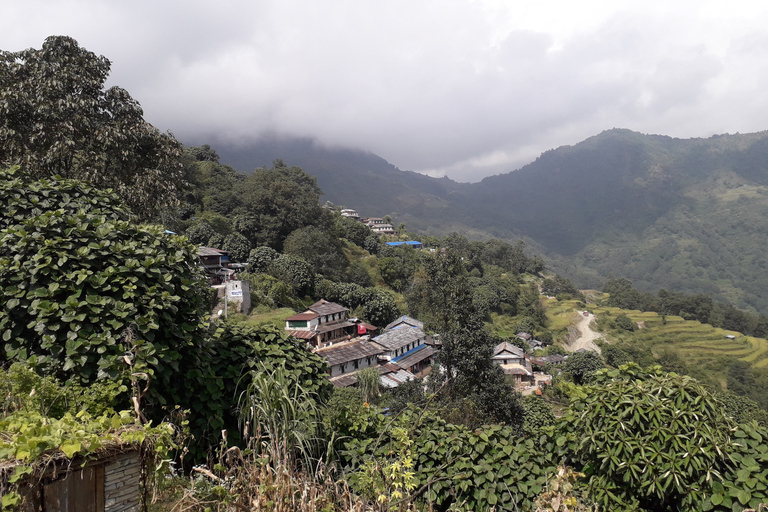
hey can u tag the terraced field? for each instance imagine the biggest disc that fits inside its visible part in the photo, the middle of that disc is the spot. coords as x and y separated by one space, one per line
697 343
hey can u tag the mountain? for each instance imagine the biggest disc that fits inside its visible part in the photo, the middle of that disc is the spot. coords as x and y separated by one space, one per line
685 214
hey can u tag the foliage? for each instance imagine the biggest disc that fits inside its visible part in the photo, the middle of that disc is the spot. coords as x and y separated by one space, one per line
650 441
582 364
57 119
368 381
82 286
623 322
537 414
30 438
279 414
230 358
24 390
238 246
319 248
294 271
200 233
353 230
457 468
275 202
559 285
562 493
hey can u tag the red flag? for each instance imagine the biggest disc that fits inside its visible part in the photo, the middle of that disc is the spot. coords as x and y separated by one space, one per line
361 329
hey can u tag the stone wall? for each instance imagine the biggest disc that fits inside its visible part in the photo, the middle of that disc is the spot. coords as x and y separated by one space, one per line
122 483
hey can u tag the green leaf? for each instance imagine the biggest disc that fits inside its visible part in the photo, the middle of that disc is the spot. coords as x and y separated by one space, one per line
70 448
743 496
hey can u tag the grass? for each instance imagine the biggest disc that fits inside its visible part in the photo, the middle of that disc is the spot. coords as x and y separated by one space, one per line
262 315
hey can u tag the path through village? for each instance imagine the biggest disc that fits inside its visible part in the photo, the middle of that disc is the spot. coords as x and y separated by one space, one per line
585 337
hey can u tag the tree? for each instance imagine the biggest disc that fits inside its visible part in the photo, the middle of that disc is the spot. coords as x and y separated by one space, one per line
624 322
582 364
83 287
276 202
260 258
237 246
200 233
320 249
57 119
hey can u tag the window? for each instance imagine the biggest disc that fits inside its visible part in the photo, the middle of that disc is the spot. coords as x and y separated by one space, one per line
297 324
356 363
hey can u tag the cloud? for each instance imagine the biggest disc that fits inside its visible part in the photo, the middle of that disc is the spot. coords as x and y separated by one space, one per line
459 88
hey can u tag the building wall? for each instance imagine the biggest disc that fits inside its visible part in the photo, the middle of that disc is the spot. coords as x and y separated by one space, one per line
122 492
361 363
238 296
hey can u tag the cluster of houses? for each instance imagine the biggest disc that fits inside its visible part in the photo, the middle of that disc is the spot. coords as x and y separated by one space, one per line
378 225
402 351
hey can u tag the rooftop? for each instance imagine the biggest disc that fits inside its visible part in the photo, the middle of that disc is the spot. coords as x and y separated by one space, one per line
396 338
404 321
323 307
302 316
348 351
508 347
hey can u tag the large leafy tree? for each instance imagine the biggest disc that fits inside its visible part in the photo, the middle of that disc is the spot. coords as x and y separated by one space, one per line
276 202
56 118
82 286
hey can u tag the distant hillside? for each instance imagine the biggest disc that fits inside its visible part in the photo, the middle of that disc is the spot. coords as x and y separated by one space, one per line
685 214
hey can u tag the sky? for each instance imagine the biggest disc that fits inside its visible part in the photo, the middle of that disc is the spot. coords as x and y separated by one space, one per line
457 88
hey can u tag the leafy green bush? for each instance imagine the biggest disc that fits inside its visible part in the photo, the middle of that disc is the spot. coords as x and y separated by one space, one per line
457 468
82 286
654 441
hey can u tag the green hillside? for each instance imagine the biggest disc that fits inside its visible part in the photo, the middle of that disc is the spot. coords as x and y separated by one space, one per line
682 214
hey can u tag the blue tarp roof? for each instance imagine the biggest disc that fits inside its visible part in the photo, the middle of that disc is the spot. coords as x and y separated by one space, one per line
411 242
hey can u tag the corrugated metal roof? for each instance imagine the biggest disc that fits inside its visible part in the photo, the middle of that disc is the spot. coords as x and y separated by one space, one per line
515 369
405 320
414 356
209 251
304 335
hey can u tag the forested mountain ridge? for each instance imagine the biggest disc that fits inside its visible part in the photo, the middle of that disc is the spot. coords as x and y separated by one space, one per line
684 214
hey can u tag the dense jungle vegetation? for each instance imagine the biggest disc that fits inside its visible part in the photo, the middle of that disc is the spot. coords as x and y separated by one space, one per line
106 324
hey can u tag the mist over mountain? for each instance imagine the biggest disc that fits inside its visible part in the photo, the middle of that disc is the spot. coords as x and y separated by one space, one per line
684 214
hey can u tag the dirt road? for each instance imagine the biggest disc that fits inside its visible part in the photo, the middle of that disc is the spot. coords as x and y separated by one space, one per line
586 336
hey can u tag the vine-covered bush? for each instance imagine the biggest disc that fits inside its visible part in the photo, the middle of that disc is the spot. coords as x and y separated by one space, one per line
83 286
488 468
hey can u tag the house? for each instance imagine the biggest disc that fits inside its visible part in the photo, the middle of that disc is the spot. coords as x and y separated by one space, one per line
404 321
541 362
350 356
411 243
380 226
417 359
506 353
212 259
352 214
514 362
324 323
396 342
524 336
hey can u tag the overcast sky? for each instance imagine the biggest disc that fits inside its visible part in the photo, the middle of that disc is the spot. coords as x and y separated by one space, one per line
458 88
